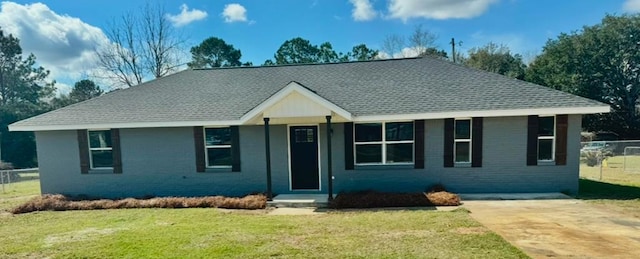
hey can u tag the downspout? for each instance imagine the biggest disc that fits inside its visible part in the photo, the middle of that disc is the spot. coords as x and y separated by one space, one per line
268 154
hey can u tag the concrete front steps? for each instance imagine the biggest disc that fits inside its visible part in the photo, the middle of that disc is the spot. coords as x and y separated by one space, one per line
299 201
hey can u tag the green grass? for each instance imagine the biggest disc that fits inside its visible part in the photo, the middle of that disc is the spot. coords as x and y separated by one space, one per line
18 192
199 233
213 233
614 189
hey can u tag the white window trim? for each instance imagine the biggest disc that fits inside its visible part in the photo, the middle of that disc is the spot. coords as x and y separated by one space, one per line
552 138
98 149
207 147
384 144
463 140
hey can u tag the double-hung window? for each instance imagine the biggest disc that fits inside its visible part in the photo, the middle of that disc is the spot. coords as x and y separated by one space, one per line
546 138
100 149
462 141
384 143
218 147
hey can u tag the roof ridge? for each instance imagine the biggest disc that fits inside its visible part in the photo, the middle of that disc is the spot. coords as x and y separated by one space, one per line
310 64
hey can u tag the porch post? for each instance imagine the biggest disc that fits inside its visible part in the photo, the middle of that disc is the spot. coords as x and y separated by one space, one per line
268 154
329 161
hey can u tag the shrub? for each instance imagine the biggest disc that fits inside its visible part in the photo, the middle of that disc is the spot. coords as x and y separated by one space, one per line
57 202
592 158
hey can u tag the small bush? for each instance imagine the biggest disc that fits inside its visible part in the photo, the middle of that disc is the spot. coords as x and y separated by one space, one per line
374 199
57 202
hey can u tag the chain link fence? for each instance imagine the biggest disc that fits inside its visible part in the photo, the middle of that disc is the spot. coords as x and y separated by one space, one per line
611 161
11 180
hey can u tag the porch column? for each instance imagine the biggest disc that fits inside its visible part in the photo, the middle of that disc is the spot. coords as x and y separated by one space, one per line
329 161
268 154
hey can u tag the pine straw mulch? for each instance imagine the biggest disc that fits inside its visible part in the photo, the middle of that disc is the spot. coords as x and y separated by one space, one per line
375 199
57 202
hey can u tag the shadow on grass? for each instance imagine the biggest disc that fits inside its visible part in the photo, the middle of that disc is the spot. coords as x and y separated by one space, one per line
593 190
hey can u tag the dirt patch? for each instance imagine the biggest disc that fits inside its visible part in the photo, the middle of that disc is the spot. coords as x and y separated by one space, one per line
77 236
560 228
471 230
375 199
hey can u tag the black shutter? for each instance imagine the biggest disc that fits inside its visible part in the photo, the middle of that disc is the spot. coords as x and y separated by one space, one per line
448 142
235 149
561 139
476 142
348 146
532 140
418 144
198 139
116 151
83 148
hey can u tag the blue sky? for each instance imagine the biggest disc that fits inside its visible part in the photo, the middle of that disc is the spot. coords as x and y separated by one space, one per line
62 34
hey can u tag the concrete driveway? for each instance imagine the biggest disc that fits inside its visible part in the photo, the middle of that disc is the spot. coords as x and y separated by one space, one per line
560 228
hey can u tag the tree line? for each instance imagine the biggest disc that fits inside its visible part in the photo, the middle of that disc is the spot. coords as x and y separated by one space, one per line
600 62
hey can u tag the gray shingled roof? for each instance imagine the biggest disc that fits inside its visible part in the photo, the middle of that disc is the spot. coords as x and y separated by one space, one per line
384 87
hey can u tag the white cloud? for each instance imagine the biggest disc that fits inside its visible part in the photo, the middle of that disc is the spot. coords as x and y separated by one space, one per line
437 9
362 10
632 6
404 53
63 44
186 16
234 13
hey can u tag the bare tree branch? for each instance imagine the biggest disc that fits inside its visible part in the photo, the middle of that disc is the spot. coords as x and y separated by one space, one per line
142 46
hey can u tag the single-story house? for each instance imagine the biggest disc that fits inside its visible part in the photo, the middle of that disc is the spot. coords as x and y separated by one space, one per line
397 125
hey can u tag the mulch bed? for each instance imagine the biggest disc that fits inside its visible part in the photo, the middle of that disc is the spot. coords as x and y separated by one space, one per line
374 199
57 202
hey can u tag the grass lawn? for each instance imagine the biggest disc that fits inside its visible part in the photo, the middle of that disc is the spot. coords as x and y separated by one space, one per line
206 233
18 192
617 190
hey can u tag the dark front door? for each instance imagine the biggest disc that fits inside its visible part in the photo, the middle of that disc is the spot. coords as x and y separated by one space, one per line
304 157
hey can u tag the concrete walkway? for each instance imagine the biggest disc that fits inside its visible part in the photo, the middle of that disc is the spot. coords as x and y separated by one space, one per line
560 228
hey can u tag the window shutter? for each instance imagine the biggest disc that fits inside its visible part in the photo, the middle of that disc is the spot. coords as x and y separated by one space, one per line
561 139
448 142
476 142
83 148
348 146
532 140
198 138
116 151
235 149
418 144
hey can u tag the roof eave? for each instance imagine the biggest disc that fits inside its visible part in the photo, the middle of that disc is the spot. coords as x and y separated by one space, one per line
366 118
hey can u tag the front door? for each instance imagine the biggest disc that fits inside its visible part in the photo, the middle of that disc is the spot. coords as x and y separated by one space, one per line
303 141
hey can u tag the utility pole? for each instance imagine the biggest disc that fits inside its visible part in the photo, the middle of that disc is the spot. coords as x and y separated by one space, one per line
453 49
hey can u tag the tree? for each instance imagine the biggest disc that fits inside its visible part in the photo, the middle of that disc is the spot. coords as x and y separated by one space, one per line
297 51
497 59
214 52
301 51
601 62
142 46
420 43
82 90
22 91
362 53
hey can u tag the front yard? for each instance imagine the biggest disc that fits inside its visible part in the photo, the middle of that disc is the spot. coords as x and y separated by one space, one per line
206 233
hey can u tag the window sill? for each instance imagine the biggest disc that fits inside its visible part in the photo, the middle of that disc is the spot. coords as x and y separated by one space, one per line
101 171
218 170
462 165
546 163
383 166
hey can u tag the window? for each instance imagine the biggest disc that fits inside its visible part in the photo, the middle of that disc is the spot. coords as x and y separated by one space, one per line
384 143
546 138
462 141
217 144
100 149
